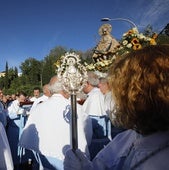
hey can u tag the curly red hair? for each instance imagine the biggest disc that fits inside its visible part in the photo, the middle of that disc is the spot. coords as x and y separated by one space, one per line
140 86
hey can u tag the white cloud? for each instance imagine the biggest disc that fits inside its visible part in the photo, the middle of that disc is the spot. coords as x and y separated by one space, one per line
156 13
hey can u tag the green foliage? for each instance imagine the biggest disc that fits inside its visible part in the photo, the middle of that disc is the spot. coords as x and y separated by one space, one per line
31 69
163 39
34 73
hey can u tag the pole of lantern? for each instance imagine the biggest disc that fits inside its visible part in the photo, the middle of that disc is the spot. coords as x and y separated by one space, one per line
73 76
120 19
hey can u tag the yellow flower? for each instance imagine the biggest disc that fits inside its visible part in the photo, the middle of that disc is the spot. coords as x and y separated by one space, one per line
135 41
152 41
57 63
130 31
137 46
155 35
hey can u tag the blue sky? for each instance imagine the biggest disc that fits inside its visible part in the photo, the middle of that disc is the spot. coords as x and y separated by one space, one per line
31 28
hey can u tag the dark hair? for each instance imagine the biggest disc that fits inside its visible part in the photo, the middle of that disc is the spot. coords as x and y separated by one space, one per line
21 93
36 88
140 86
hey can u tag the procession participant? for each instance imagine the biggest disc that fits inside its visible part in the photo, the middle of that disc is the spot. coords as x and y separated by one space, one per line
14 108
47 131
140 86
36 94
3 114
94 107
105 89
16 119
44 97
94 103
109 105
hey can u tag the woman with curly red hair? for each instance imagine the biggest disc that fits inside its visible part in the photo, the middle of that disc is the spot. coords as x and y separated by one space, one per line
140 86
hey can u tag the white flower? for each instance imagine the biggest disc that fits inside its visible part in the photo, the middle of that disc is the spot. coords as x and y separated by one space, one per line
114 57
129 45
135 30
141 36
125 42
125 34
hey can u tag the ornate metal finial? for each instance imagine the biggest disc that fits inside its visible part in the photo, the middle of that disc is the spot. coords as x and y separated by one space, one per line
72 74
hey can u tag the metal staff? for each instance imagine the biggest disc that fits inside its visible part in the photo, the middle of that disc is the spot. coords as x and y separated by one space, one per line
73 76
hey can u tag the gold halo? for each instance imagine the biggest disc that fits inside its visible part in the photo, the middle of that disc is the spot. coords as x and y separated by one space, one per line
105 26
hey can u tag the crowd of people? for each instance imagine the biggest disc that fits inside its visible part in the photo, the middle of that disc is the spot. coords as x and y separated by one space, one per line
123 123
40 133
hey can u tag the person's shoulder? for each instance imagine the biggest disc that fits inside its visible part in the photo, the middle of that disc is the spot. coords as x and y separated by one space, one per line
33 99
122 141
96 92
41 99
117 148
126 134
13 103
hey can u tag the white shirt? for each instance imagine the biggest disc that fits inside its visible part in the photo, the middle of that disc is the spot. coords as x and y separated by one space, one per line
94 104
6 162
33 99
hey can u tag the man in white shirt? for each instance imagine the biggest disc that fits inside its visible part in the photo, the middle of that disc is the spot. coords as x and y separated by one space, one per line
47 131
16 118
95 108
44 97
36 94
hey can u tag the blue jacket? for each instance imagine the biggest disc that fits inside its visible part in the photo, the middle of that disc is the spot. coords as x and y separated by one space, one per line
129 151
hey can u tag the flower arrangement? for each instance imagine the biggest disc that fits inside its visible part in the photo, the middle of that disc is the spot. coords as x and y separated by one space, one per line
101 66
133 40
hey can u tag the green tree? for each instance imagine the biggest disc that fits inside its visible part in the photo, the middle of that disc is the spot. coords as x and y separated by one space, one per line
31 71
48 67
6 81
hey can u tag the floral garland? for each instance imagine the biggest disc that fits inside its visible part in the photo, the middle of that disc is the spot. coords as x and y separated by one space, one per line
101 66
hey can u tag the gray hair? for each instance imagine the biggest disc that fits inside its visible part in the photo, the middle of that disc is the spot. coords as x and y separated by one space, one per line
103 80
93 79
55 86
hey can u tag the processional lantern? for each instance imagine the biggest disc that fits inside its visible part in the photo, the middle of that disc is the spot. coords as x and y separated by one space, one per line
73 76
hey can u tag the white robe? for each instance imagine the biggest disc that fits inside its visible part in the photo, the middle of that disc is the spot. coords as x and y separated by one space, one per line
94 104
38 101
47 130
5 152
109 103
14 109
